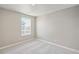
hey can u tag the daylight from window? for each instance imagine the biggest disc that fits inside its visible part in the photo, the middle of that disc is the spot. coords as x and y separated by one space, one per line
25 25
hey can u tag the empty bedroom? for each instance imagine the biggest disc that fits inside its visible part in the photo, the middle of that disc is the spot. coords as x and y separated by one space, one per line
39 28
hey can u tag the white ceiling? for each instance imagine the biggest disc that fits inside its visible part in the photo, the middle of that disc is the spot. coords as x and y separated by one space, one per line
37 9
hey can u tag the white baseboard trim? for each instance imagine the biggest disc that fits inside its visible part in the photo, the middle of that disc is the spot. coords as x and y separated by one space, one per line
14 44
51 43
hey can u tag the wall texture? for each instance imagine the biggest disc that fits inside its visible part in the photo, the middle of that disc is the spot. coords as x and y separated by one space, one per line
10 27
61 27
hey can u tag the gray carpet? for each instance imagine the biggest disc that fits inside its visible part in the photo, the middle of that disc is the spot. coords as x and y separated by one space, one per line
35 47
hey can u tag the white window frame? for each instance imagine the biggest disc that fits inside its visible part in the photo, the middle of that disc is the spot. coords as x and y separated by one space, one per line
26 32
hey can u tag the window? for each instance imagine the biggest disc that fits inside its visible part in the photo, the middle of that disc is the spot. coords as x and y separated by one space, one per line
25 25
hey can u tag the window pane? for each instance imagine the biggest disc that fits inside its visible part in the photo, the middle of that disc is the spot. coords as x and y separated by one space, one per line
25 25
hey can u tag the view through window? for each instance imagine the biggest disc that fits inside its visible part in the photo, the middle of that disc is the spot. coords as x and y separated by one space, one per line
25 25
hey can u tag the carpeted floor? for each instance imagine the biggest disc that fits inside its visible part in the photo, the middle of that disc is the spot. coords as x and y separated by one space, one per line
35 47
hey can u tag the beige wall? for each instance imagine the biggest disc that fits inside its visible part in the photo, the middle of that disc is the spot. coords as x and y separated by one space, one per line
61 27
10 27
